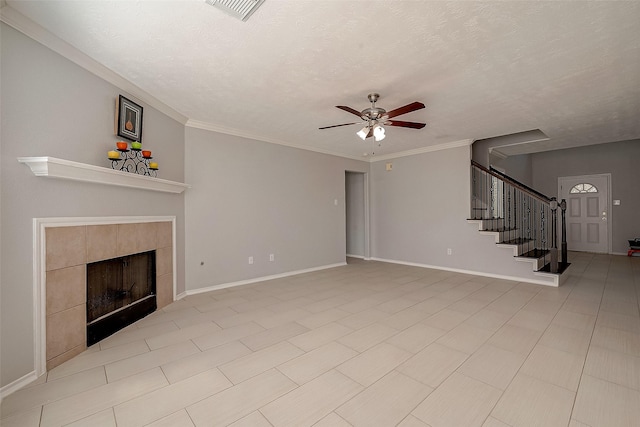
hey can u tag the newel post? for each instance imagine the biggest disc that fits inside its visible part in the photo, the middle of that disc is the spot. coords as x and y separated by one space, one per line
563 207
553 266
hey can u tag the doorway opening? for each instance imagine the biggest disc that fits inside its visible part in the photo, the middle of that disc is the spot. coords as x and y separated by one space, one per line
356 216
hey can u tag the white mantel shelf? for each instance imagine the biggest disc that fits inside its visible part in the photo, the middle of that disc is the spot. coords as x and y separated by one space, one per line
52 167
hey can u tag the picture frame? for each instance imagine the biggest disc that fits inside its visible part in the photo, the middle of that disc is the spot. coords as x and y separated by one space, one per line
129 119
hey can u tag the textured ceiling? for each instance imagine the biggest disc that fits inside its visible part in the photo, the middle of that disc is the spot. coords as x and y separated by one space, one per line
483 69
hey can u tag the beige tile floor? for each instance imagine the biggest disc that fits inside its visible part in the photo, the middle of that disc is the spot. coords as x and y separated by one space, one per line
368 344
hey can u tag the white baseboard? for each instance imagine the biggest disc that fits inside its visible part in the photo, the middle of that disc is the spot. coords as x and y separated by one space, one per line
256 280
356 256
17 384
459 270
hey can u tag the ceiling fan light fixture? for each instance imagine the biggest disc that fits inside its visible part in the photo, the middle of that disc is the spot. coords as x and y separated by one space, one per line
362 133
378 133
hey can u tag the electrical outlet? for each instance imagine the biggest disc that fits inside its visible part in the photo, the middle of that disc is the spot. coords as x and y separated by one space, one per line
272 257
250 260
449 251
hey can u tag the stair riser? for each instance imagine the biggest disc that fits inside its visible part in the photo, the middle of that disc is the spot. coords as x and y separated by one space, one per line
502 236
518 249
492 224
505 236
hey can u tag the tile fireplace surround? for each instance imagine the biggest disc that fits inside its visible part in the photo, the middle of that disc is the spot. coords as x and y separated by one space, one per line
67 250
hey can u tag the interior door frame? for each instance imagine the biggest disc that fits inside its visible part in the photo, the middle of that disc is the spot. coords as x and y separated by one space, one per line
608 202
367 220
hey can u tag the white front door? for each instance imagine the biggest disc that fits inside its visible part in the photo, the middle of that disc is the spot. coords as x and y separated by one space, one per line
587 211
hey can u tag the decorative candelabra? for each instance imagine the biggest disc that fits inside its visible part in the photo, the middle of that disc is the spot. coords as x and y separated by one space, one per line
133 160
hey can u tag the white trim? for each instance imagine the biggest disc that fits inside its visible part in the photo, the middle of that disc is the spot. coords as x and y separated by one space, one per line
39 270
494 152
235 132
558 279
528 141
196 124
367 218
16 385
459 270
355 256
52 167
258 279
15 19
429 149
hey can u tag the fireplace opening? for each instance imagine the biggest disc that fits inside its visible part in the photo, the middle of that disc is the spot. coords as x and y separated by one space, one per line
120 291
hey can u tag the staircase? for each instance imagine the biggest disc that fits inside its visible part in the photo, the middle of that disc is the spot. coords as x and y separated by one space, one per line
519 218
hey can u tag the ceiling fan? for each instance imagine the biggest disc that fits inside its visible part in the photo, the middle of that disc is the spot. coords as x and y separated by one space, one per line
374 117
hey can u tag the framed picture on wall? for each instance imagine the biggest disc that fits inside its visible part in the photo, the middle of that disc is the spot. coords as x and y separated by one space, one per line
129 119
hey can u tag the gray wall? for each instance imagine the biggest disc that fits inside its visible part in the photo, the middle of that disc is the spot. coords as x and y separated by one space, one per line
620 159
355 201
518 168
419 210
251 198
52 107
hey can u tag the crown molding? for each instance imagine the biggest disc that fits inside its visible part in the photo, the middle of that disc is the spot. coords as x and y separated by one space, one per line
429 149
494 152
15 19
235 132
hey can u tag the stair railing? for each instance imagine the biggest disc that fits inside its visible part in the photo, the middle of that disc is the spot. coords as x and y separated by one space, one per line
523 216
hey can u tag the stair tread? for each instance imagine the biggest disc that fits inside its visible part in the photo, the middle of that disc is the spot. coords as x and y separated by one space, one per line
535 253
562 266
517 241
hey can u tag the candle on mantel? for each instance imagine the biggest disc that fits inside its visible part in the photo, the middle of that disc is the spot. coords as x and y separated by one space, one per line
113 155
146 154
153 165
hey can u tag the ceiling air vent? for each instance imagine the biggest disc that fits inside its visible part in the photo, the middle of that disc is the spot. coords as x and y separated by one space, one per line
241 9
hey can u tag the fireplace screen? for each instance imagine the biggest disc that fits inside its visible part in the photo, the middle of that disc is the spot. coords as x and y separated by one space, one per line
119 292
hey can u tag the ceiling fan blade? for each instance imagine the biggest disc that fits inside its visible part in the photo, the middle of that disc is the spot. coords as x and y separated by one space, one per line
400 123
349 110
335 126
404 110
